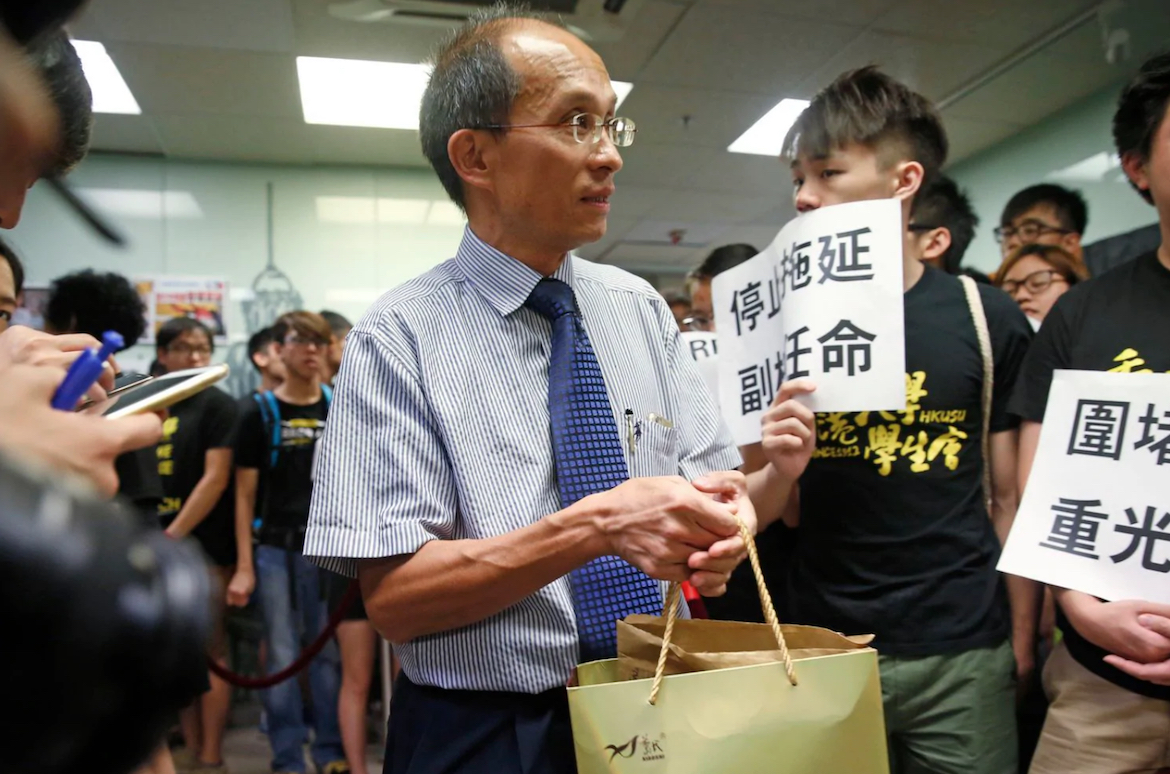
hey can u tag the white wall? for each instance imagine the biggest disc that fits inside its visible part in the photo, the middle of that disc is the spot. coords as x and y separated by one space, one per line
342 236
1073 148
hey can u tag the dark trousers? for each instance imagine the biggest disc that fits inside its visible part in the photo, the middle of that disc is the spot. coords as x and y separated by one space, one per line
438 731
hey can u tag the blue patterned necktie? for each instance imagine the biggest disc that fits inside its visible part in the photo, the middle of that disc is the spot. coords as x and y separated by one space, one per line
589 459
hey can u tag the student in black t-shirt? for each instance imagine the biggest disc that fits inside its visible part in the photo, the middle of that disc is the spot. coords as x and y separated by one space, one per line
195 465
1109 679
275 448
896 538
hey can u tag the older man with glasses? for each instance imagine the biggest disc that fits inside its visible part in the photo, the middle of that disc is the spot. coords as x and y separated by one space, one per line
473 475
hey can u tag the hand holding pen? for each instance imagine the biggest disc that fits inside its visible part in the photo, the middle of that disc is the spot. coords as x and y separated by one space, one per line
24 346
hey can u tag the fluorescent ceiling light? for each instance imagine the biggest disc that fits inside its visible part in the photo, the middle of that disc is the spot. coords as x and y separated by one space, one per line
110 92
766 136
622 89
145 204
355 92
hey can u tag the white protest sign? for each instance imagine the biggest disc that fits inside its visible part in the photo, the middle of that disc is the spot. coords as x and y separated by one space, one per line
704 348
1096 514
824 300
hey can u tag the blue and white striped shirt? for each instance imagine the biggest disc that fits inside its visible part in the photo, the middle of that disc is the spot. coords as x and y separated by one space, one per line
440 430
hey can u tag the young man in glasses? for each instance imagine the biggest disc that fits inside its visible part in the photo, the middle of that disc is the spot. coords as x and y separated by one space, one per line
895 534
195 466
1046 214
1108 680
275 449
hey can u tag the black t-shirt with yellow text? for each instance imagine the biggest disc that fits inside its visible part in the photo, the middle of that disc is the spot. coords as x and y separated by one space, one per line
194 426
1120 323
895 537
286 489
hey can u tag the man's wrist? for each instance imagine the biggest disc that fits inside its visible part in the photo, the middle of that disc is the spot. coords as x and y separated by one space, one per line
587 521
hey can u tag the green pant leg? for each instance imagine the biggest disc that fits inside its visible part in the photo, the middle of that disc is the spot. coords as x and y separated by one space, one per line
956 713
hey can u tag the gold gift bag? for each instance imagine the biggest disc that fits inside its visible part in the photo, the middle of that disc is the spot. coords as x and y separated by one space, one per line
708 697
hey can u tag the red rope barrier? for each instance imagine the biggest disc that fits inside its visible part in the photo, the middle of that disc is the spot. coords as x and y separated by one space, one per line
307 655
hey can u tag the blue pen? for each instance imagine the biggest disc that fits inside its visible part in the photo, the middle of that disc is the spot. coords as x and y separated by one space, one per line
85 371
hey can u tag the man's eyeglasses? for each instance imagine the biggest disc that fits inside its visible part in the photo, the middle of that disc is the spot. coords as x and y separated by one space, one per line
1036 282
587 128
1028 231
698 322
307 341
187 349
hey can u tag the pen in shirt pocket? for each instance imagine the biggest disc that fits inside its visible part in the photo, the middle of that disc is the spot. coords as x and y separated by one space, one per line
633 431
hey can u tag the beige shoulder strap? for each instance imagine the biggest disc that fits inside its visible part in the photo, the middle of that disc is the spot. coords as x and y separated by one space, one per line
975 303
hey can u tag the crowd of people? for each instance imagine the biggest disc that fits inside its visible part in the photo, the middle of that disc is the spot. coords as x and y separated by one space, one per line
516 451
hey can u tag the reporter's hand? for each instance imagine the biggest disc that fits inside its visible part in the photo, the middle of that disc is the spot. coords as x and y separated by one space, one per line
656 524
240 589
75 442
24 346
1157 672
711 569
1117 626
789 433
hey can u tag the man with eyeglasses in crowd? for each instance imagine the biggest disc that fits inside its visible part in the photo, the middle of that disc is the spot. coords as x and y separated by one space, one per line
275 449
451 478
1046 214
195 467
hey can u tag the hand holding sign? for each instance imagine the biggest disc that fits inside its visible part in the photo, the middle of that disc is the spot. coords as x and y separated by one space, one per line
789 430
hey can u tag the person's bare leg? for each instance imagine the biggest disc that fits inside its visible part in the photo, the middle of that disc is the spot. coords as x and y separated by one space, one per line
159 763
191 723
356 641
216 704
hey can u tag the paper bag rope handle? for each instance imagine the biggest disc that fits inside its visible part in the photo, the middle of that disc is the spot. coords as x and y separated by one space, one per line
671 614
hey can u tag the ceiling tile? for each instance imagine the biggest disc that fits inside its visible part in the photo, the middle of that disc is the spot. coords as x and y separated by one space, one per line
698 205
1034 89
968 136
721 48
320 34
929 67
251 25
693 116
176 80
1002 24
625 58
128 134
740 173
234 138
615 229
856 12
360 145
661 165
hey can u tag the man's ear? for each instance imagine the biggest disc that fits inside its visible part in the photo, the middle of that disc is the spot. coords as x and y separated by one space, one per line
1072 243
1135 169
908 177
937 242
471 153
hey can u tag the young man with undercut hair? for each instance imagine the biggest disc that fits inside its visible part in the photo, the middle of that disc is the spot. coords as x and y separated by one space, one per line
1046 214
896 534
943 222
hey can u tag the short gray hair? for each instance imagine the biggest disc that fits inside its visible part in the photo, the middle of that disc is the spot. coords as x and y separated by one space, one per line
472 86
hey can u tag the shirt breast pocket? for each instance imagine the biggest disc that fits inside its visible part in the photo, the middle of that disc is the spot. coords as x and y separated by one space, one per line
655 451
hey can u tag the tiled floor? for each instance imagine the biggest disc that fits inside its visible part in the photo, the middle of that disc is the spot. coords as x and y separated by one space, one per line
246 751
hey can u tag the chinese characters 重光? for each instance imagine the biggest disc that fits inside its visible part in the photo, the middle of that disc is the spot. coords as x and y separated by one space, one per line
1076 527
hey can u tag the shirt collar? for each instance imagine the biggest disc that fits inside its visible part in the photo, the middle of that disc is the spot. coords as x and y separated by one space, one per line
502 280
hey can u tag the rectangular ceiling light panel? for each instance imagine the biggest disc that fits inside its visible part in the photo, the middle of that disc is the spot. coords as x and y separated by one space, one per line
110 92
766 136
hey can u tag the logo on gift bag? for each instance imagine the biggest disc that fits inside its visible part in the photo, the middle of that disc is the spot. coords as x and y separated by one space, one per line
651 748
626 750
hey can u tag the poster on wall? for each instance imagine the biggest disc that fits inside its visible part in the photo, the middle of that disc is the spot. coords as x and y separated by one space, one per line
31 312
200 298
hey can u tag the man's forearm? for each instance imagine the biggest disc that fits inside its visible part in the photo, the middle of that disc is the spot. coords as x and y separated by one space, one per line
1025 596
245 515
769 493
198 504
449 584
